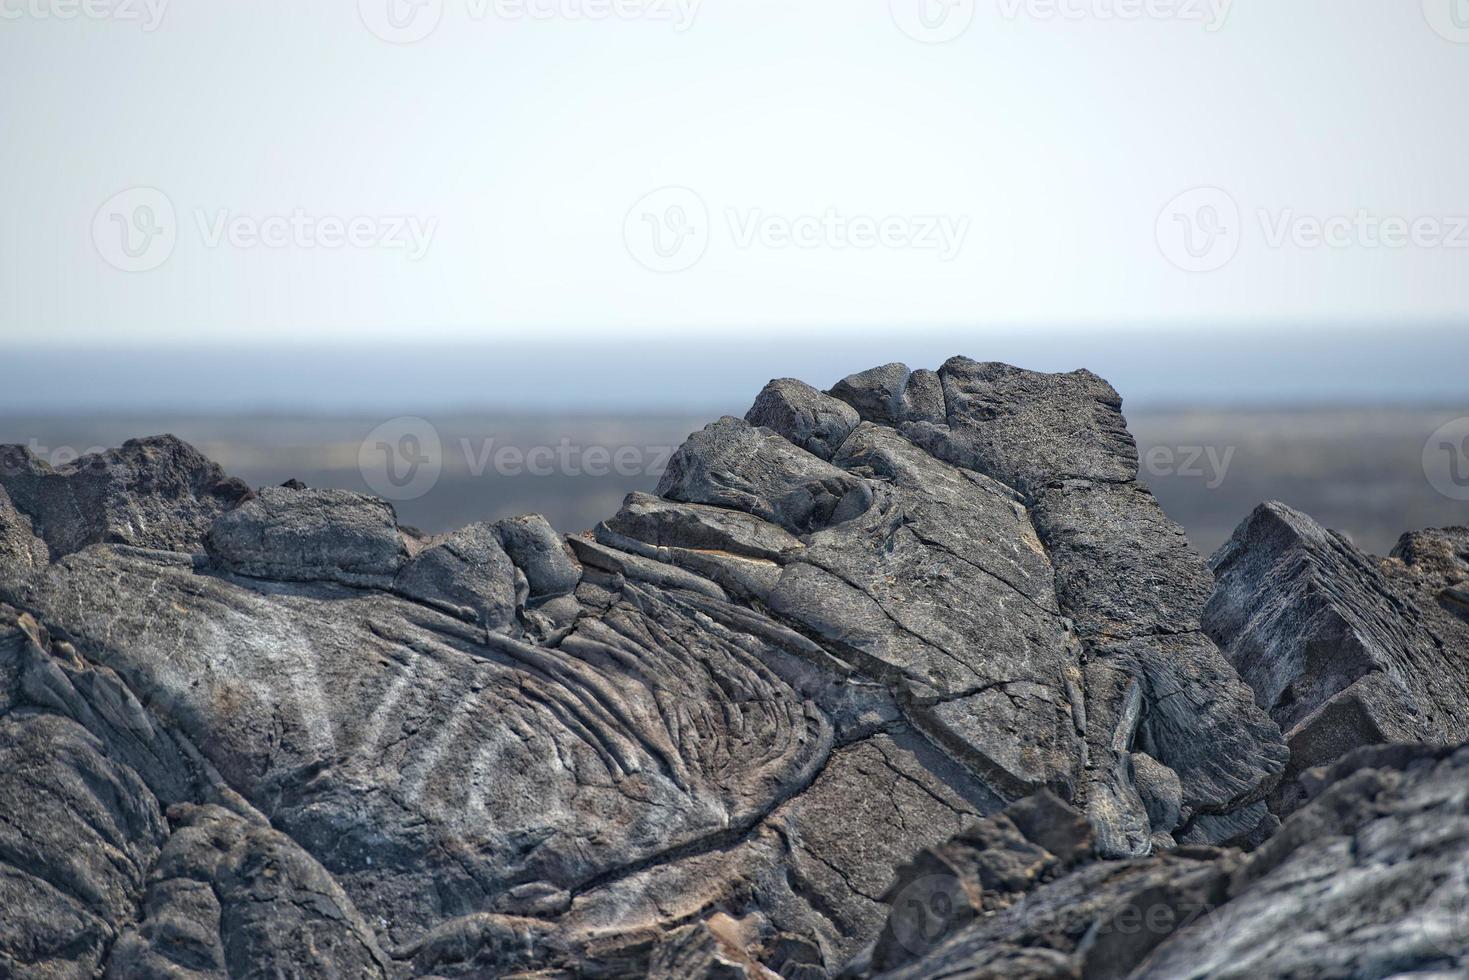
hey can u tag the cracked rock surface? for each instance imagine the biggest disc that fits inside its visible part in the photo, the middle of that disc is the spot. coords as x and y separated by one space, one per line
1365 880
927 624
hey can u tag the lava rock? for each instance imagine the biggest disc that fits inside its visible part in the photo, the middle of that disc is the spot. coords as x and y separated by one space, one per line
540 554
666 524
469 574
310 535
876 394
699 740
1336 653
151 493
732 464
816 422
21 552
1029 429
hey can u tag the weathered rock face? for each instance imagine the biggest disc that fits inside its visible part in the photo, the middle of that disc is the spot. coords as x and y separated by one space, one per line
1366 880
104 870
279 734
1341 651
1433 567
152 493
21 552
1134 670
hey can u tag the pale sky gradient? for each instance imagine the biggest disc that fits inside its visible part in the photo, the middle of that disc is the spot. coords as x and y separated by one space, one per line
528 141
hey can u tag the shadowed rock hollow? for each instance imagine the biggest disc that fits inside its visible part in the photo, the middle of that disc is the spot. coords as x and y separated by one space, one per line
926 613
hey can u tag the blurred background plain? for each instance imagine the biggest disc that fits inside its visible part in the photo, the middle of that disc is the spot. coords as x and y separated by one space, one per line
271 228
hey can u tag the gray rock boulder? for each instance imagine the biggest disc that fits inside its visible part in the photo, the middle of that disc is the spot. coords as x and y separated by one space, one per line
104 871
304 535
877 394
229 897
540 554
667 524
467 573
816 422
732 464
996 901
1433 566
1364 881
1029 429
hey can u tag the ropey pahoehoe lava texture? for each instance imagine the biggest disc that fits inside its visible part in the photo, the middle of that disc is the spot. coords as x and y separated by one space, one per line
911 677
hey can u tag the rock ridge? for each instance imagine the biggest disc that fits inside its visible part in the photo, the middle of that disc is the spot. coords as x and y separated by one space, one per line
923 625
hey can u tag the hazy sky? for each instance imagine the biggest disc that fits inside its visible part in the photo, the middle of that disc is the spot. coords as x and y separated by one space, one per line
283 170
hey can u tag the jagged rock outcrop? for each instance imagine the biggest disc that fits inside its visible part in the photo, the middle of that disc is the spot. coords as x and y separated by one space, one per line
1341 649
150 493
695 741
1365 880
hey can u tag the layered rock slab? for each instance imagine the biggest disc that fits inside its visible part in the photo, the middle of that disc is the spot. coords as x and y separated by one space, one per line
433 773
